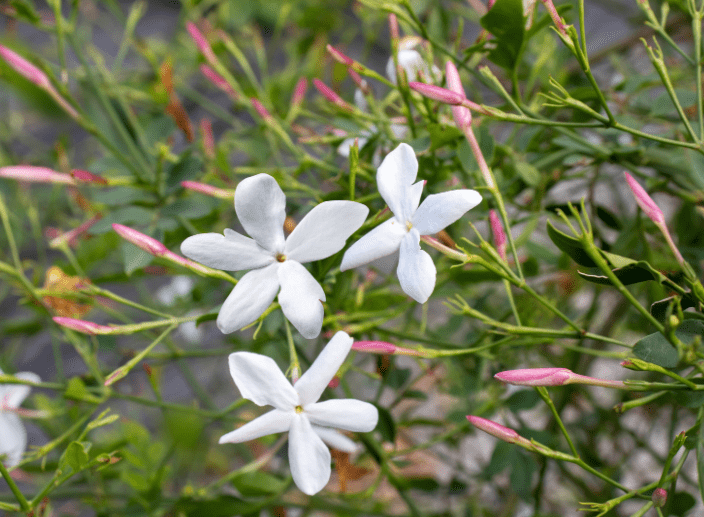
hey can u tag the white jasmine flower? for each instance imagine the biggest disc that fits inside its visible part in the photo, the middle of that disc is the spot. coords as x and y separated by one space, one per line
416 271
411 61
13 437
297 410
275 261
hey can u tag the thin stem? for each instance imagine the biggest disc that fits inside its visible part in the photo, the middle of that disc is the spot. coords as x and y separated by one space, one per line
546 397
24 504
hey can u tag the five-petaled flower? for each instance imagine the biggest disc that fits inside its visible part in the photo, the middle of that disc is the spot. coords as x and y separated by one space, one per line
13 437
275 261
297 410
416 271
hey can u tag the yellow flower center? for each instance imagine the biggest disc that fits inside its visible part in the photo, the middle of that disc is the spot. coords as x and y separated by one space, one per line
280 257
409 225
299 409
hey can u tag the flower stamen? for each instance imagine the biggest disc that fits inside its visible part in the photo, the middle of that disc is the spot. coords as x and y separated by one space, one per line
281 257
299 409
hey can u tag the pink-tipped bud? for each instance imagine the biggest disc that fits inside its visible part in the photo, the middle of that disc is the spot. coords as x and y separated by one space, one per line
497 229
659 497
383 348
201 42
497 430
148 244
334 382
437 93
645 202
552 377
462 115
361 83
330 95
35 174
208 190
552 11
299 92
340 57
88 177
218 81
71 237
25 68
393 28
85 327
206 133
261 110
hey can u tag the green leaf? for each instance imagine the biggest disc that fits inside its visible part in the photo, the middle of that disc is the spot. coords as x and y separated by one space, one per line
134 258
656 349
441 134
659 309
571 246
522 400
186 168
76 390
24 10
506 23
223 506
257 483
76 456
386 425
681 503
690 399
522 469
102 420
528 173
631 274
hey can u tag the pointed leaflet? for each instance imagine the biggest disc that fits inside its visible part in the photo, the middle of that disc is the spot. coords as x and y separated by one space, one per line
506 22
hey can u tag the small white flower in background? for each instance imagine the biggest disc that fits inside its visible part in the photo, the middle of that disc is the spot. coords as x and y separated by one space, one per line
13 437
297 410
416 271
411 61
275 261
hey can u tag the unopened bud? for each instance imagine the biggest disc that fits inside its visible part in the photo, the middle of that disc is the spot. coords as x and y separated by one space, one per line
261 110
437 93
462 115
88 177
497 230
206 132
497 430
35 174
330 95
147 243
85 327
340 57
218 81
552 377
552 11
659 497
393 29
208 190
299 92
201 42
71 237
645 202
383 348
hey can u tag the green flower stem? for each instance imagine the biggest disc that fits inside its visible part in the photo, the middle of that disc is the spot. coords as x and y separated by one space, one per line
543 392
45 449
4 216
9 507
123 370
98 291
294 368
214 415
625 406
24 504
697 43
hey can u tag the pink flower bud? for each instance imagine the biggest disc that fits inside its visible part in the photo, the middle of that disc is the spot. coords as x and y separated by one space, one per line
645 202
201 42
340 57
218 81
497 430
261 110
383 348
208 190
71 237
330 95
25 68
299 92
206 131
497 230
552 377
393 28
35 174
437 93
659 497
462 115
86 327
552 11
88 177
361 83
148 244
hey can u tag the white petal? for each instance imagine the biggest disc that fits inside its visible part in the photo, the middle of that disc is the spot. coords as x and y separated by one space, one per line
416 271
13 439
249 299
440 210
274 421
413 63
260 380
391 70
309 457
395 174
324 230
230 252
312 383
412 198
380 242
12 395
347 414
336 440
261 208
301 298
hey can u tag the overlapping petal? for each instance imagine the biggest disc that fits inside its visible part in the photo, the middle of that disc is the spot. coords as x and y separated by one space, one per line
308 456
396 173
324 230
441 210
249 299
260 380
347 414
261 208
335 440
301 298
230 252
416 271
380 242
13 439
411 199
312 383
275 421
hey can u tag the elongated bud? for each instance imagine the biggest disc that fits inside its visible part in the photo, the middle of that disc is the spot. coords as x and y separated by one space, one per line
85 327
393 30
261 110
206 132
218 81
497 229
88 177
71 237
659 497
147 243
299 92
35 174
340 57
330 95
552 377
208 190
462 115
497 430
645 202
552 11
361 83
383 348
201 42
437 93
